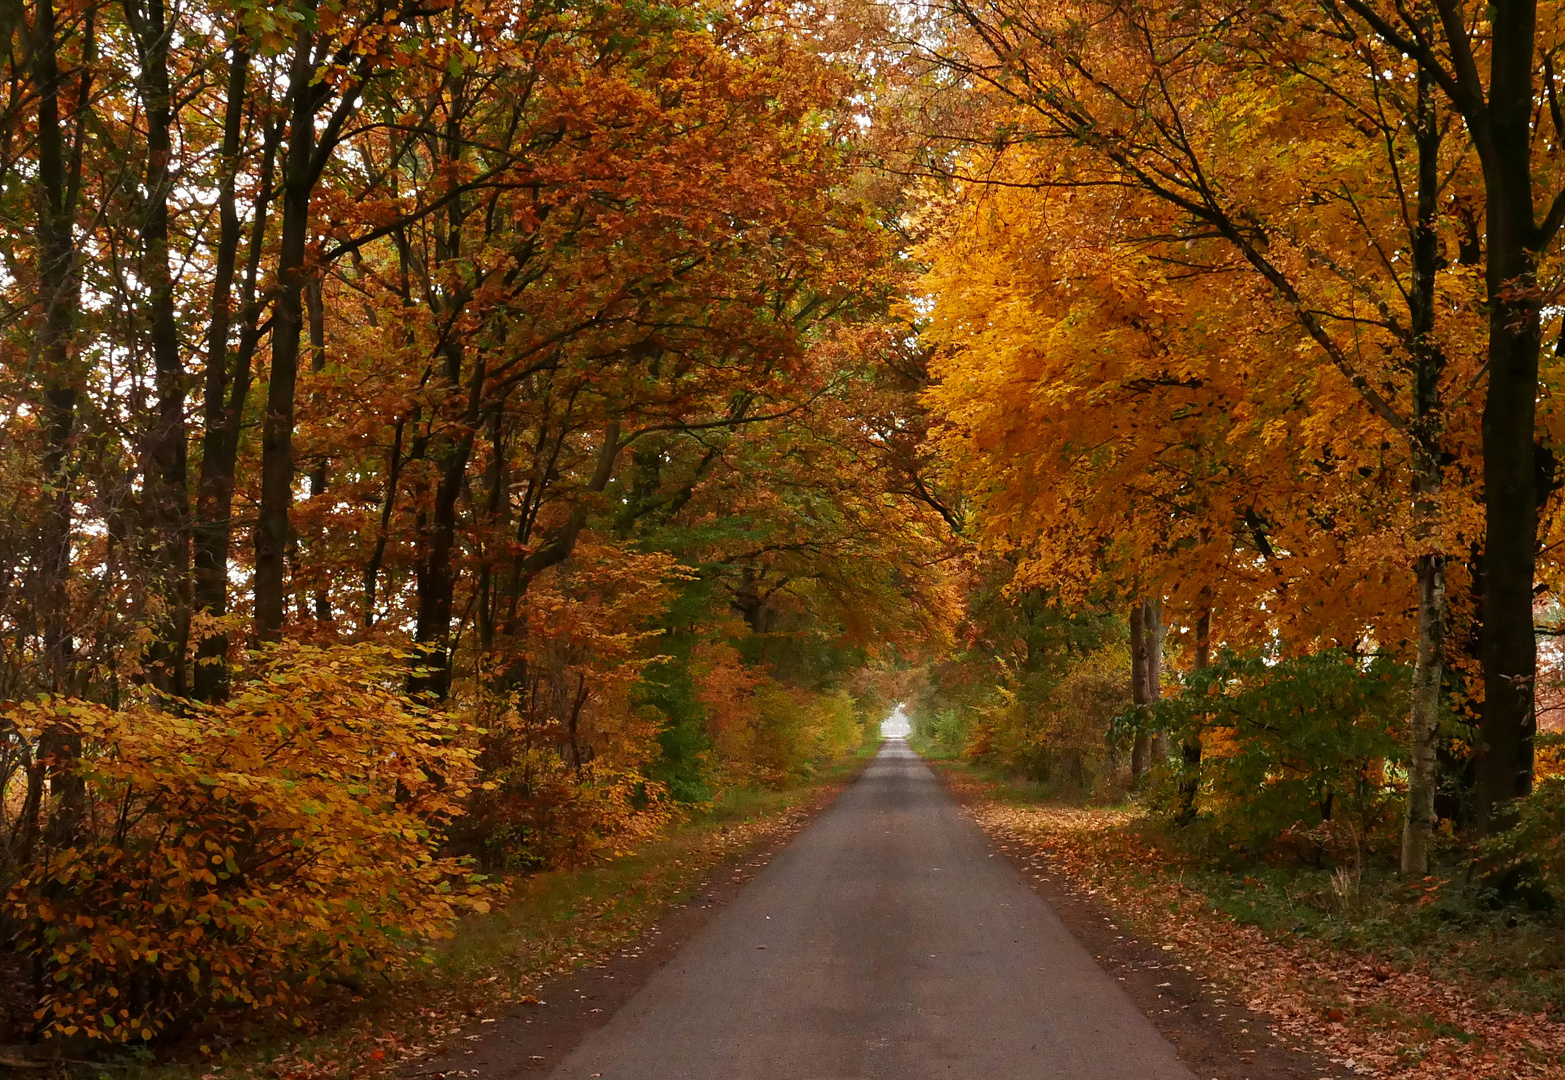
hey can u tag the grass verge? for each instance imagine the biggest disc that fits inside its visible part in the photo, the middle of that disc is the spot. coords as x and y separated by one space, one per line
555 922
1428 980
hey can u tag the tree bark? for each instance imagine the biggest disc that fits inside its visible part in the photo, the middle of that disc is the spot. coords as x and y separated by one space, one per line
1425 431
1141 750
57 191
1504 140
1153 629
1190 749
1418 825
435 580
57 188
310 140
315 305
167 480
226 391
272 528
1500 122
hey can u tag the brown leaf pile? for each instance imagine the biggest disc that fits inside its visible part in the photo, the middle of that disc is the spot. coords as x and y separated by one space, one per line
1364 1014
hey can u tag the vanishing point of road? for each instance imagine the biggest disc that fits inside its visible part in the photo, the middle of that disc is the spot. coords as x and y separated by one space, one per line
886 941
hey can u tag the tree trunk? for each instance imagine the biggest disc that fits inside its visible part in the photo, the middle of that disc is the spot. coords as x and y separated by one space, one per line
225 392
1152 624
1424 725
59 296
1500 123
310 141
1141 750
315 304
167 481
57 191
435 579
272 528
556 549
1502 133
1190 750
1425 431
1510 500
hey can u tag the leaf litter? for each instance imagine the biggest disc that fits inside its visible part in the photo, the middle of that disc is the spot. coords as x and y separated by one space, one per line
1370 1018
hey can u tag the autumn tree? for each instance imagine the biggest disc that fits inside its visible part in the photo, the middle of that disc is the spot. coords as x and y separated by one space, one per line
1334 244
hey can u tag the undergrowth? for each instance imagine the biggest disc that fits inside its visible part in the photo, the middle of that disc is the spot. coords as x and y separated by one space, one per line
1510 957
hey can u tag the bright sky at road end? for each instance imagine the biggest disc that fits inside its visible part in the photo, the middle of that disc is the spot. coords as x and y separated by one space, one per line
896 726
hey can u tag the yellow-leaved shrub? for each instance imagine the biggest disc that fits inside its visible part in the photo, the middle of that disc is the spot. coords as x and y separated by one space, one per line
234 858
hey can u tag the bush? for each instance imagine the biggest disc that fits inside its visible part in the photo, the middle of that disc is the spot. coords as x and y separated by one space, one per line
1299 756
797 729
760 730
945 728
1054 727
538 809
235 858
1532 851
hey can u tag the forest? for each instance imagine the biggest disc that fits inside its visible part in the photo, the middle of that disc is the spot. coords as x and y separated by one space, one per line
445 444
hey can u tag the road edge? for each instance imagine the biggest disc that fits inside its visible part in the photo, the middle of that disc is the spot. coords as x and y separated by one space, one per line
1215 1038
529 1040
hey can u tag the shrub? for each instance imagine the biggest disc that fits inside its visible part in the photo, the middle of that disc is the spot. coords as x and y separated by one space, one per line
538 809
945 728
1532 851
566 749
1299 754
234 858
796 729
836 725
1054 726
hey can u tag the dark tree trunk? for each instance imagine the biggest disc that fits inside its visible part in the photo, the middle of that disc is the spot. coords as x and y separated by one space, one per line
226 391
557 548
1141 750
310 141
167 481
1152 628
1500 122
272 528
57 192
1425 435
1190 749
315 304
1510 490
59 296
435 579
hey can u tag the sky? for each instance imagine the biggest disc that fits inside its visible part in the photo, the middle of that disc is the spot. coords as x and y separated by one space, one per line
896 726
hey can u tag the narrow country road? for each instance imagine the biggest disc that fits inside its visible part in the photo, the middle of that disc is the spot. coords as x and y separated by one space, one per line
886 941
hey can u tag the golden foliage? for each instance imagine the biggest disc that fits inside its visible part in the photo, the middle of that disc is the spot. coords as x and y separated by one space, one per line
236 857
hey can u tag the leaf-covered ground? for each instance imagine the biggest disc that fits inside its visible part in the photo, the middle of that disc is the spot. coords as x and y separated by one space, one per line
1375 1011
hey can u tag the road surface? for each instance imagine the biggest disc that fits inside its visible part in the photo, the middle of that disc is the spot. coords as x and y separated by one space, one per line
886 941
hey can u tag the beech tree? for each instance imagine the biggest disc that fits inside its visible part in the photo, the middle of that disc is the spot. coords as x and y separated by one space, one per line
1345 224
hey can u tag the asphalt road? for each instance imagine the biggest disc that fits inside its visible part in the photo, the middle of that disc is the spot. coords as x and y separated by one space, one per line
888 940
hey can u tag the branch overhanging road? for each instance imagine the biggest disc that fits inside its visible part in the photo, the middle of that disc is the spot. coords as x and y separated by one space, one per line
887 941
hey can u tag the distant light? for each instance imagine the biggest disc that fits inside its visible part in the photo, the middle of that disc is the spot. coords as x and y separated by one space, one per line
896 726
